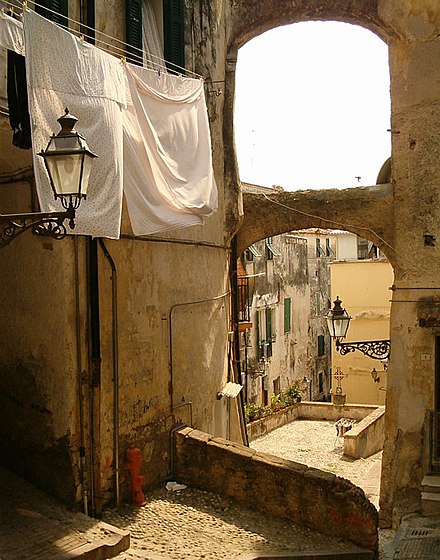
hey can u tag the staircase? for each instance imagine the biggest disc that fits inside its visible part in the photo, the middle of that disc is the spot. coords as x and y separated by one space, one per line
431 494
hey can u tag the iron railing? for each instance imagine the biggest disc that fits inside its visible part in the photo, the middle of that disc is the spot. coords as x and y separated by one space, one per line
434 442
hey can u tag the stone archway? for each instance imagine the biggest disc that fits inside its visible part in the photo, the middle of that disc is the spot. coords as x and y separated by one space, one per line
406 214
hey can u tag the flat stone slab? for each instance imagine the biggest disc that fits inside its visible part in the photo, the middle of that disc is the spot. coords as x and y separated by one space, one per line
33 525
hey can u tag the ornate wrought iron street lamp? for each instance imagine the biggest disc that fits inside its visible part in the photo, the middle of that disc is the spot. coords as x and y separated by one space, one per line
338 322
68 162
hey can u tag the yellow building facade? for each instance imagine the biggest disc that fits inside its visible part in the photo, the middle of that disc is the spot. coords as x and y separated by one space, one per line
363 286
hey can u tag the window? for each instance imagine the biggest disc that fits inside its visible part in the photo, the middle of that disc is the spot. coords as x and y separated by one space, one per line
271 252
321 345
55 10
277 386
328 250
143 32
269 335
319 249
321 381
287 314
265 336
251 252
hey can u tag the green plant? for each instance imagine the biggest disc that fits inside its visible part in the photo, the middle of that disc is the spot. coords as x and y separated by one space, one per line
252 411
292 394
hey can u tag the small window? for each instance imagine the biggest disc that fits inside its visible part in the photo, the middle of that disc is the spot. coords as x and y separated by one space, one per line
328 250
319 250
321 381
321 345
251 252
271 252
269 334
287 315
277 386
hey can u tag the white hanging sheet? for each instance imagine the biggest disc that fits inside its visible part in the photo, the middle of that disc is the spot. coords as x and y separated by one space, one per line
168 177
11 33
64 72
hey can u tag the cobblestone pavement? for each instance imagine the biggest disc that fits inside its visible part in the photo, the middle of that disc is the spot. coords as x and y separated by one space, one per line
314 443
191 524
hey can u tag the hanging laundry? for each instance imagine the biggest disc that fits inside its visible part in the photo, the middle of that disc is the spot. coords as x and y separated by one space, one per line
11 33
18 101
168 177
64 72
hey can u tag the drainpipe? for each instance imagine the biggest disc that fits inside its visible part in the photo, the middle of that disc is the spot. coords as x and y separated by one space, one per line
95 377
79 374
114 281
235 328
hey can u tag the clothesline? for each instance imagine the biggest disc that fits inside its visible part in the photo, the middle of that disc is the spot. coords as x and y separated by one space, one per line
114 50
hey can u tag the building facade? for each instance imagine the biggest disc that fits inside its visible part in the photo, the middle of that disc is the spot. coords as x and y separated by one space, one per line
59 384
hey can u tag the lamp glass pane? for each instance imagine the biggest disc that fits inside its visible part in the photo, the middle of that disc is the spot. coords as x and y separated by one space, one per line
88 160
65 171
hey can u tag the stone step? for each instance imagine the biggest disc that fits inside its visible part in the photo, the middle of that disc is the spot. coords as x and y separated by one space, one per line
430 503
360 555
431 484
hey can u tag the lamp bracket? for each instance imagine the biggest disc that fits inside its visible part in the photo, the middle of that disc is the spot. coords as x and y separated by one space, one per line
375 349
50 224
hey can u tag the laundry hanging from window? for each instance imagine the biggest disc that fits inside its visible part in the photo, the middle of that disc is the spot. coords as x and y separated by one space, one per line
168 177
11 38
91 84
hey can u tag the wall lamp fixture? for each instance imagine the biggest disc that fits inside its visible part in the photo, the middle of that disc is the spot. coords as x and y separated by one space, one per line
375 375
338 321
68 162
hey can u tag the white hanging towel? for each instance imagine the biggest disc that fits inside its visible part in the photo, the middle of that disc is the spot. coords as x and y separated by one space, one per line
11 33
168 177
64 72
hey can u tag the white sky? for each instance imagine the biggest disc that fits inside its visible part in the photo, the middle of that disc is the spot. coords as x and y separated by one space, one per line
312 106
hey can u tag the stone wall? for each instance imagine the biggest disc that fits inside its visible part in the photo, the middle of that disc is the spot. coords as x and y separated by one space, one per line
310 411
367 437
275 486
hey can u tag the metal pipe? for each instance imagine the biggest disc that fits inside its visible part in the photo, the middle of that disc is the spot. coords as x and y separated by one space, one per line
176 241
235 328
95 377
82 447
114 280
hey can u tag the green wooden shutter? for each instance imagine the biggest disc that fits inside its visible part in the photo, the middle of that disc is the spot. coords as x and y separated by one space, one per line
269 331
321 345
133 30
48 7
287 314
174 34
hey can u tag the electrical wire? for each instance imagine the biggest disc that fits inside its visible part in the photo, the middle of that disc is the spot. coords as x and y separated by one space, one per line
345 226
120 52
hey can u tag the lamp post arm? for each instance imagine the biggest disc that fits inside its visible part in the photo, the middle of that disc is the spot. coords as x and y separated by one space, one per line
50 224
376 349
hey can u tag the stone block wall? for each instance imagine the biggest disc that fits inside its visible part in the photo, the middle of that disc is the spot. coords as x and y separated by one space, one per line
367 437
275 486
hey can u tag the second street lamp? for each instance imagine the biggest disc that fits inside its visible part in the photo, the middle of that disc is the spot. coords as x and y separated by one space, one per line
338 322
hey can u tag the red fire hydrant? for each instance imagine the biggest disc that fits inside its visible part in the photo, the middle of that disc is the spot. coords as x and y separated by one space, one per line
133 464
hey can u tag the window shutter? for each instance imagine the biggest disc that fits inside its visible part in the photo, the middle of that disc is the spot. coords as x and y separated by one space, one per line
287 315
48 7
133 30
321 345
174 34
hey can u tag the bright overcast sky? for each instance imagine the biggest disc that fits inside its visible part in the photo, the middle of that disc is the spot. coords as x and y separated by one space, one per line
312 106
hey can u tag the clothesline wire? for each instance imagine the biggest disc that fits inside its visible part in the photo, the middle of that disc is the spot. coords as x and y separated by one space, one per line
120 52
